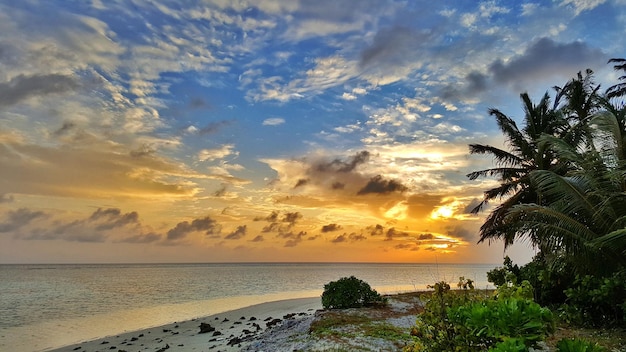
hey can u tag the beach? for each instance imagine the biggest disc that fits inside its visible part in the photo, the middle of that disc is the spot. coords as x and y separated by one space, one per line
228 331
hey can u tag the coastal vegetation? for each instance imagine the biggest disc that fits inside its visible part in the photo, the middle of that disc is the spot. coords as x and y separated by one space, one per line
349 292
562 188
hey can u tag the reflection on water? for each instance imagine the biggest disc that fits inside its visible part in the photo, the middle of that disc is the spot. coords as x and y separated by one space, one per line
79 302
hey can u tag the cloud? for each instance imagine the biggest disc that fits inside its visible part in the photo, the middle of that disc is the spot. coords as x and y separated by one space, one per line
293 239
393 234
217 153
23 87
280 224
238 233
338 165
582 5
258 238
213 127
353 237
17 219
378 185
376 230
391 46
545 58
141 238
273 121
331 228
182 229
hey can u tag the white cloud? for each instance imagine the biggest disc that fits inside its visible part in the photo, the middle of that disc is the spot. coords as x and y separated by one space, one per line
218 153
273 121
348 96
582 5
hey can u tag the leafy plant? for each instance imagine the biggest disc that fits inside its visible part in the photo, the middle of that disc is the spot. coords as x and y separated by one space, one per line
349 292
578 345
465 321
596 301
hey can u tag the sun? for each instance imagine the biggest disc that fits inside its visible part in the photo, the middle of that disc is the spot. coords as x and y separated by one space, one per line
442 212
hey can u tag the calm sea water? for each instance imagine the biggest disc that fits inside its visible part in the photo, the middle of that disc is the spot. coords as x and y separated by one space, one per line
47 306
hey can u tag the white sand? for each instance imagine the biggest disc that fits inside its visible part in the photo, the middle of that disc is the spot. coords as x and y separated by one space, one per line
244 324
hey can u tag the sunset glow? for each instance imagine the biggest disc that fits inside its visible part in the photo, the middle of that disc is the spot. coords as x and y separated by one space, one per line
270 130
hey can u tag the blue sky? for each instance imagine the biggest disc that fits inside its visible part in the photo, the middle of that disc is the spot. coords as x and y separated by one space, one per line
269 130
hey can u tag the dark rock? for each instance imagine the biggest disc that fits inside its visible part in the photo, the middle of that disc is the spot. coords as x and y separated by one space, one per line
175 333
212 340
234 341
268 319
289 316
140 335
181 345
204 328
217 333
237 323
225 320
104 342
216 318
273 322
256 326
242 318
246 332
166 330
112 348
252 318
77 348
134 339
167 347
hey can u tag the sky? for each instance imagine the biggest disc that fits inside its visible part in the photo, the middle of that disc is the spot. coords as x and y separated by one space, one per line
271 130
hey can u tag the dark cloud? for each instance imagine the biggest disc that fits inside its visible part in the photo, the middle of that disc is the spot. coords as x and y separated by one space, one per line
546 58
24 87
293 239
392 234
112 218
338 185
292 218
239 232
198 103
463 233
65 128
182 229
142 151
353 237
472 205
273 217
391 47
425 236
278 223
340 239
142 238
214 127
301 182
331 227
17 219
376 230
221 191
338 165
379 185
407 246
258 238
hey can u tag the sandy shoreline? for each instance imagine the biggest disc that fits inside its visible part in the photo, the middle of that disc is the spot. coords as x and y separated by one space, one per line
227 331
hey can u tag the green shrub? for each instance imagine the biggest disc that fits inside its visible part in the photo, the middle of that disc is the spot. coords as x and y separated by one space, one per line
465 321
578 345
349 292
486 323
596 301
510 345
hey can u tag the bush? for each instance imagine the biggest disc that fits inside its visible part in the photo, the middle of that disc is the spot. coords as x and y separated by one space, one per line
349 292
578 345
596 301
465 321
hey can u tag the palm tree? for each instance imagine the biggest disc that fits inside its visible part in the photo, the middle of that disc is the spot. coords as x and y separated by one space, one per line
618 90
513 167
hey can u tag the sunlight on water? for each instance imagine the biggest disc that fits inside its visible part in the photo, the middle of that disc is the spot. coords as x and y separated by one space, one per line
47 306
54 334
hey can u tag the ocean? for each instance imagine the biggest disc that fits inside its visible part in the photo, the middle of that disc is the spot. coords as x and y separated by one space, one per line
49 306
